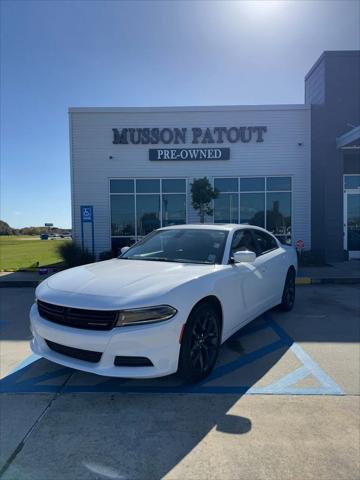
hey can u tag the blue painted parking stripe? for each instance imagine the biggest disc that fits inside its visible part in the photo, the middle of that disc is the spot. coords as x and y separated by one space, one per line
48 376
324 379
284 386
284 382
328 385
10 383
250 329
27 361
245 360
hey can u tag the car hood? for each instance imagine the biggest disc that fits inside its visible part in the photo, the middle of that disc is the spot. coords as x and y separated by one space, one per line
124 280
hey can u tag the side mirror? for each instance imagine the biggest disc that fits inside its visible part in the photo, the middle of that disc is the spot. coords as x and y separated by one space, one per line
244 256
124 249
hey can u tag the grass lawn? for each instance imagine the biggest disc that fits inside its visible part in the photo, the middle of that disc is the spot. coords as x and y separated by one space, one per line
23 252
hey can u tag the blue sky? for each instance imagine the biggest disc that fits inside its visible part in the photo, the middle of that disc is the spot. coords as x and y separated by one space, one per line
56 54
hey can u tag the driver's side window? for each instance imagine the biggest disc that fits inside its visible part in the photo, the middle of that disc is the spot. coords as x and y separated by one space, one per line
243 240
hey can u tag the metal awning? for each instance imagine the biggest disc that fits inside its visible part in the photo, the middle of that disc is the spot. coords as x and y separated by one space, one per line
349 140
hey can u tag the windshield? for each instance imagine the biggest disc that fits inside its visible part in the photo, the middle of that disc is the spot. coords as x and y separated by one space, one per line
188 245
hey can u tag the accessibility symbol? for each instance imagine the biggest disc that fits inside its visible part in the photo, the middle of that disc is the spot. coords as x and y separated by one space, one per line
86 213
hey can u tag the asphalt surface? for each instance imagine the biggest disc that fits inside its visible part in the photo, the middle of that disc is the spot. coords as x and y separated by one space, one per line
283 402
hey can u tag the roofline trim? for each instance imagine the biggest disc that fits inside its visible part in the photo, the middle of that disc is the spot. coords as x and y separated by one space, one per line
225 108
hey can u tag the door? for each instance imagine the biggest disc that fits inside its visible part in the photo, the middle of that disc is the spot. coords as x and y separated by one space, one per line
352 224
271 263
251 279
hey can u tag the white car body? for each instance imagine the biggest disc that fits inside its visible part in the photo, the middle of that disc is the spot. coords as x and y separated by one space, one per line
244 291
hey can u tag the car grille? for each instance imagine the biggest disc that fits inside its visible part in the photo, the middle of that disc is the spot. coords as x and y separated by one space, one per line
77 317
86 355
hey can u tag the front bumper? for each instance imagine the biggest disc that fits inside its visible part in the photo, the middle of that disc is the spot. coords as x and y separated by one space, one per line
157 342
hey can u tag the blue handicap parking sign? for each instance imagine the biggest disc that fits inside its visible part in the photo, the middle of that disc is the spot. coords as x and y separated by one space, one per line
87 213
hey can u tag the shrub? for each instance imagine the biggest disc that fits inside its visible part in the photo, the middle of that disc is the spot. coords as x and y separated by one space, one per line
73 255
107 255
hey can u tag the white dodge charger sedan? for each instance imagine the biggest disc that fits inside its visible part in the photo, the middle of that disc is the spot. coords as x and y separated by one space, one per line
166 304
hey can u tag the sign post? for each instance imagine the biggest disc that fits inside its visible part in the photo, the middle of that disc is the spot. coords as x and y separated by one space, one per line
87 216
299 245
49 227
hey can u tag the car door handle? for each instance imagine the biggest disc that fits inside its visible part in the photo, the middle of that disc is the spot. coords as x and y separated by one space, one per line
263 269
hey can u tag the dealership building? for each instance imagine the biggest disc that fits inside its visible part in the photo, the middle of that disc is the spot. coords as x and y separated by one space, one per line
293 169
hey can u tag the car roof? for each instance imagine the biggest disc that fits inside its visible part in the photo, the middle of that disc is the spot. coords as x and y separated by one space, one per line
212 226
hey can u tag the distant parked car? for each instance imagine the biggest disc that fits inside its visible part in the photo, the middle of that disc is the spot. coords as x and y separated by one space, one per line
44 236
166 304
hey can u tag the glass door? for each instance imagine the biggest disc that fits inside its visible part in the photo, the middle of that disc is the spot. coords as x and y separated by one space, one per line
352 224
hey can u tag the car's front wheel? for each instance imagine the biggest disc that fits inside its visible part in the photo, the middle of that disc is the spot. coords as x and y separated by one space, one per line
200 343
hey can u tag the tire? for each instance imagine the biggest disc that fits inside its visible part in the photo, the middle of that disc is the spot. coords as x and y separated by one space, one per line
200 343
288 297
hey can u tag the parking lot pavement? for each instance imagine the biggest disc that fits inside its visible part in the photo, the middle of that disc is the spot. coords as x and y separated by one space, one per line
15 333
283 402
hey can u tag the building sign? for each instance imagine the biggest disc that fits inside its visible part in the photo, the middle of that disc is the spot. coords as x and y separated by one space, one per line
189 154
196 135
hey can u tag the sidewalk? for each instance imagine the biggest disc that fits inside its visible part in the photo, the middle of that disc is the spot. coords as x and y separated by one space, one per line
21 279
341 273
338 273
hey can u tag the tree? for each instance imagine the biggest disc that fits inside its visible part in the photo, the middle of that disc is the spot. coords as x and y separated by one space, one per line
5 229
202 194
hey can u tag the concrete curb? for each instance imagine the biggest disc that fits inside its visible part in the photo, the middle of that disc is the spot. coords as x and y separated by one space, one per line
328 281
19 283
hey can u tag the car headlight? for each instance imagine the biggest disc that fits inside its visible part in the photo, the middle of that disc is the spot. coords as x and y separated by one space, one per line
145 315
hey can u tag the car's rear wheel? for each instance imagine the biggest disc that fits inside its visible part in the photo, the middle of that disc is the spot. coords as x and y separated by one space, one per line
288 297
200 343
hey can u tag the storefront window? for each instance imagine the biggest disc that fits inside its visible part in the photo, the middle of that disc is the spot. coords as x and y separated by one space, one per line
226 205
174 185
278 215
122 215
226 184
121 186
278 184
173 209
147 213
262 201
226 208
148 186
139 206
256 184
352 182
252 209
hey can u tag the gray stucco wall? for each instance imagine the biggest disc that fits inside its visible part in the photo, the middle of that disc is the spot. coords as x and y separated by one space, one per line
332 89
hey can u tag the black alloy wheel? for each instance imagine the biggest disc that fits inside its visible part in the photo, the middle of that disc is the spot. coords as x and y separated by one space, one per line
200 343
288 298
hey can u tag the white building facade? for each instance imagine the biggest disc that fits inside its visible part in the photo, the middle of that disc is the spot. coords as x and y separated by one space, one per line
132 169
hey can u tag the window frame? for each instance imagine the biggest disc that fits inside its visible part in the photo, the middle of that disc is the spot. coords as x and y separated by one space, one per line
137 237
265 192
